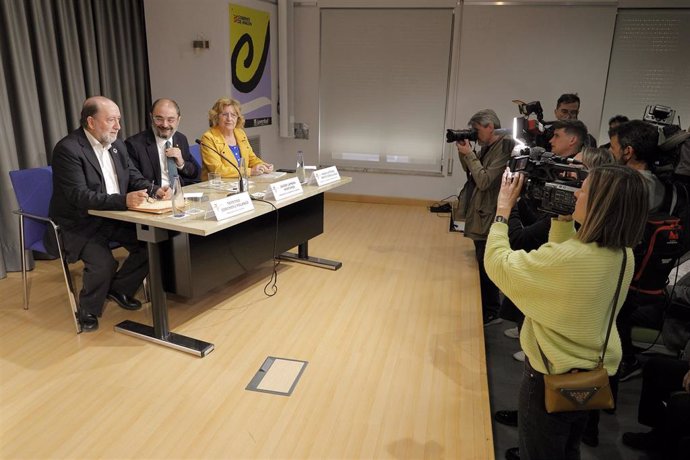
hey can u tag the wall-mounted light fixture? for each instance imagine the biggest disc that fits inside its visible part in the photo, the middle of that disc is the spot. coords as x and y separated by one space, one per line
200 44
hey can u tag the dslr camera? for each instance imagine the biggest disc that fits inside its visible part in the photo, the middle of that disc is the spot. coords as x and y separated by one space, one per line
551 181
455 135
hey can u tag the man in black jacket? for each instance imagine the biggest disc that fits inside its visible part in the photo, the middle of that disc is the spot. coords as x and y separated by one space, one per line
161 153
91 170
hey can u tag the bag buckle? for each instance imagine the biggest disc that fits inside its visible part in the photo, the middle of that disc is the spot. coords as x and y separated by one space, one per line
579 396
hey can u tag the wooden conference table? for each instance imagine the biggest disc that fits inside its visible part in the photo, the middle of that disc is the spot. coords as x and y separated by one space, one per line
192 255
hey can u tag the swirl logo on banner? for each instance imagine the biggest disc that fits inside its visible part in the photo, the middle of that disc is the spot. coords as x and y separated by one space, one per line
250 63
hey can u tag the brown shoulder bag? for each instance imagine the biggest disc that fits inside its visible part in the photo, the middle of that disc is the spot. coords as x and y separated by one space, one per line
582 390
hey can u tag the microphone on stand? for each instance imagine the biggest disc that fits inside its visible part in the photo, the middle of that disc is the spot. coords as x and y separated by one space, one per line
241 181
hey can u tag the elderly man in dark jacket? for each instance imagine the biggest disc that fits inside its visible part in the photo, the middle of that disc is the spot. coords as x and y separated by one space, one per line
91 170
477 201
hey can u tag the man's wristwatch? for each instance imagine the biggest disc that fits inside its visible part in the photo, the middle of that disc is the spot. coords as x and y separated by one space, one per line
501 219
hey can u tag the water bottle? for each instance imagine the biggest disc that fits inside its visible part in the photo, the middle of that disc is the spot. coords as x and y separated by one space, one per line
300 167
177 198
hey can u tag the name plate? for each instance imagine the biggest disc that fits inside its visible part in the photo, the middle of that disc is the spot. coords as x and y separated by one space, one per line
325 176
284 189
231 206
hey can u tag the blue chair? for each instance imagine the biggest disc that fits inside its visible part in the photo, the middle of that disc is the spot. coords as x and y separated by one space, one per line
34 189
195 150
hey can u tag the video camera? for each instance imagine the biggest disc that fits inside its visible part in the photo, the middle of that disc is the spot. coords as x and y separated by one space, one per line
670 135
551 181
662 117
659 115
530 126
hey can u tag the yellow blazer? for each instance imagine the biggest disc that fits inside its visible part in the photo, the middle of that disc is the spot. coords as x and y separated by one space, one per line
212 162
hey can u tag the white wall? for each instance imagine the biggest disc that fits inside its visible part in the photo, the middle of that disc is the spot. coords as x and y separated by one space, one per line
197 78
500 53
538 56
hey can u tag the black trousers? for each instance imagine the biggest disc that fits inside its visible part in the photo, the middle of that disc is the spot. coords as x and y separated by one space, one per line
661 378
101 273
638 310
665 405
510 312
490 299
544 436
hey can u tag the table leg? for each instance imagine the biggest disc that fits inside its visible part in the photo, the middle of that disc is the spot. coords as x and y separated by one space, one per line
160 333
303 257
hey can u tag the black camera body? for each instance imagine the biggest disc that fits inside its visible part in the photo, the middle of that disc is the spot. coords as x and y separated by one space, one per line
455 135
530 127
668 157
551 181
659 115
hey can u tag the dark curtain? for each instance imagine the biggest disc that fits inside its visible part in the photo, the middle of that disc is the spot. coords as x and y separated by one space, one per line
53 55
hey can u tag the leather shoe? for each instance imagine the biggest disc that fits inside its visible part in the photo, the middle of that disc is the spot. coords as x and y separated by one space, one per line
513 453
125 301
590 439
88 321
507 417
651 440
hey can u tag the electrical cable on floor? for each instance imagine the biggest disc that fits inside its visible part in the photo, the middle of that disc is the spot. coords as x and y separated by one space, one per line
271 287
442 206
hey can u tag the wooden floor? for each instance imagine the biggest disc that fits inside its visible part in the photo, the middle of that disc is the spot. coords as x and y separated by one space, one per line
394 342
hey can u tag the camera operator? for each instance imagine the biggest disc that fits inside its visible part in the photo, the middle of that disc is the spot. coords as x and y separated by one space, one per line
477 199
568 138
634 144
565 289
568 108
614 122
528 230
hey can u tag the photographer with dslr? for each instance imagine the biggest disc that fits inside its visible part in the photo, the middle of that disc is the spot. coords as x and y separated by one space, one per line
565 289
477 200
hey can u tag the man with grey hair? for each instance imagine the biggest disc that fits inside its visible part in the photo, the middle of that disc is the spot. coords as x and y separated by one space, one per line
477 200
91 170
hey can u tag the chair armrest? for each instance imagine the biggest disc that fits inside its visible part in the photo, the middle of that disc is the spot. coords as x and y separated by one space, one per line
19 212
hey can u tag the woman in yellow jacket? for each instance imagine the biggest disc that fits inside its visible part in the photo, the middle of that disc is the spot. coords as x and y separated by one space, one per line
226 136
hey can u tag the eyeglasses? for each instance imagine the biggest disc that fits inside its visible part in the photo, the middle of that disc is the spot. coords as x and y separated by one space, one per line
234 116
160 120
572 113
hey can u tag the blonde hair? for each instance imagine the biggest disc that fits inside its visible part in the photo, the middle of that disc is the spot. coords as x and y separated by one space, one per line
594 156
217 109
616 207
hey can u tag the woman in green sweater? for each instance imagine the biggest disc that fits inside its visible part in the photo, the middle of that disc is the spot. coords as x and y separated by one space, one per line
565 289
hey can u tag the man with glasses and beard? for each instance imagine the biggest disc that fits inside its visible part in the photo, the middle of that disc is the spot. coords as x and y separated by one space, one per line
161 153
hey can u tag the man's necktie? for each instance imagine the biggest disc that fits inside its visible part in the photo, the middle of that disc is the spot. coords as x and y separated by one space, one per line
172 167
